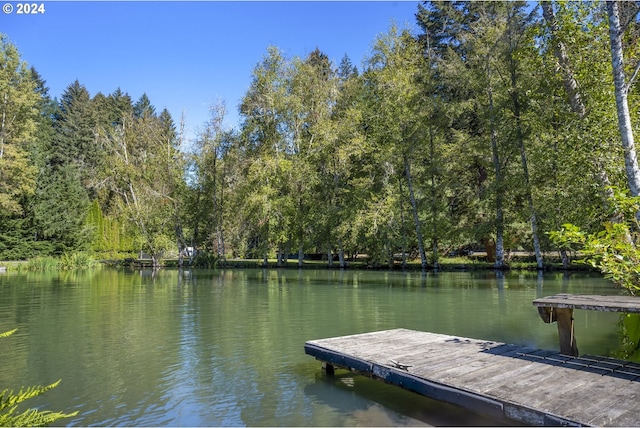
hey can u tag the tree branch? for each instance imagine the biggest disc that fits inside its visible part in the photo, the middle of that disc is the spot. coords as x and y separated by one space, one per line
627 87
630 18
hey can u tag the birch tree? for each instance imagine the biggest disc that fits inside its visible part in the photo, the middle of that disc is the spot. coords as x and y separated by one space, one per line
211 147
396 66
18 112
622 86
572 87
143 166
516 35
264 192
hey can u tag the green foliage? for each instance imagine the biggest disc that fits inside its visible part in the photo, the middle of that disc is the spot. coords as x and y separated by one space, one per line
17 239
614 249
630 335
11 416
60 208
570 237
42 264
206 260
108 235
67 261
143 165
18 110
461 134
77 260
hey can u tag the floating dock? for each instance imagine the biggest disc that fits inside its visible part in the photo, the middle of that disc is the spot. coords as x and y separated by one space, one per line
519 383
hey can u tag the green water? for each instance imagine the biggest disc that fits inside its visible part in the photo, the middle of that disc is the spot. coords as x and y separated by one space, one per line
225 348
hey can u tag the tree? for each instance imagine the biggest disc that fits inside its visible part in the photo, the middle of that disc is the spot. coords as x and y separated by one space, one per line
572 88
60 208
614 248
467 40
144 162
68 169
143 107
309 109
265 138
340 166
622 87
395 69
516 35
208 160
574 111
18 114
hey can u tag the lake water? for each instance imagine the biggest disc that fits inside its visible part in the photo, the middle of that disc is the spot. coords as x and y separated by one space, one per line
226 348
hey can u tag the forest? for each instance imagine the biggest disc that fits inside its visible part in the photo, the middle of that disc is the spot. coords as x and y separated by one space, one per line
499 126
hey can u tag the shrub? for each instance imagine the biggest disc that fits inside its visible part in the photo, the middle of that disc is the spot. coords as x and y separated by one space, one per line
77 260
614 250
206 260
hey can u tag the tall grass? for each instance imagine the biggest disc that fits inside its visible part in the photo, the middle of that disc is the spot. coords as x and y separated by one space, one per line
42 264
77 260
68 261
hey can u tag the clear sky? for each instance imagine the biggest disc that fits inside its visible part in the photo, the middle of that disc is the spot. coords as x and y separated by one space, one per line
188 55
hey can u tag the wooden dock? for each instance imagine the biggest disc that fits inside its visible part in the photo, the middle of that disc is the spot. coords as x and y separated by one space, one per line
519 383
559 308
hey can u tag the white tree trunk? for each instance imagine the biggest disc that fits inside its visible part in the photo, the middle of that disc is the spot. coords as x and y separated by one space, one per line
560 52
499 263
571 87
515 99
414 211
622 105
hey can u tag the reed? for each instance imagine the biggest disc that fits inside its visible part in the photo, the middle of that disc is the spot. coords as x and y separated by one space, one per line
42 264
77 260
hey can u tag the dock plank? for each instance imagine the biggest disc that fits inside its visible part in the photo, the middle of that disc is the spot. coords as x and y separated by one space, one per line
520 383
629 304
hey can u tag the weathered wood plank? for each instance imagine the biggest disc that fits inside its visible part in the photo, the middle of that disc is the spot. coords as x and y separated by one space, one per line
630 304
559 308
520 383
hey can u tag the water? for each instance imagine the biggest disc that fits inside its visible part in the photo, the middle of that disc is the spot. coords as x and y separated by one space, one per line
225 348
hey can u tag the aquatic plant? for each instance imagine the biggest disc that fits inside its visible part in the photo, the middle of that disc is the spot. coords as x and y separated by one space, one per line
77 260
42 264
10 416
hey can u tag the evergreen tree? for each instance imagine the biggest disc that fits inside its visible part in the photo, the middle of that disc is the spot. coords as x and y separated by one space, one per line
68 170
346 69
143 107
61 209
75 140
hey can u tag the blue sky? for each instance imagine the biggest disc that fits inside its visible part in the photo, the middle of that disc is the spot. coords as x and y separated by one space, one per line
188 55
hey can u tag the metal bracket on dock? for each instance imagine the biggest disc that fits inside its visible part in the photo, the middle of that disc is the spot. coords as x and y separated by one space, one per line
400 366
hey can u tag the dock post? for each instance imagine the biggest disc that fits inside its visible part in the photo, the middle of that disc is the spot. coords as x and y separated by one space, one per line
566 334
328 369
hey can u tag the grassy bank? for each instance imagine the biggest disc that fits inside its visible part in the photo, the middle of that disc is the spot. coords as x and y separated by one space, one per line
81 260
477 262
68 261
